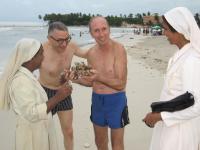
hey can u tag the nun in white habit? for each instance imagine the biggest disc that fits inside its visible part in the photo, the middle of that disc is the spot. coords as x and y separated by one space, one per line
179 130
21 91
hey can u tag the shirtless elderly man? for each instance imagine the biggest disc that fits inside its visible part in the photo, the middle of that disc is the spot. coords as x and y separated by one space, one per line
58 53
108 80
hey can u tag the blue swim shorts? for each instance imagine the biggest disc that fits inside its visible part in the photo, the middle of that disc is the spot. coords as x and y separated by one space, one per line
109 110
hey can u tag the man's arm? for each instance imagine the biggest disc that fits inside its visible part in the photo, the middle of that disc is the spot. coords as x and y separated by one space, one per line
83 82
120 69
79 52
118 82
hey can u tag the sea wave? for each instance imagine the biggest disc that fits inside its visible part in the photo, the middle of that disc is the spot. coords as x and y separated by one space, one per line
2 29
1 69
22 24
117 35
91 41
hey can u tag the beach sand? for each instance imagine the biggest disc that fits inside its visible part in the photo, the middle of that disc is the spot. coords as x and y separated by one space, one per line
147 62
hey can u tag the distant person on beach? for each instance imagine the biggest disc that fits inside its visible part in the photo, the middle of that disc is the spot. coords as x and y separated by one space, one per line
179 130
20 88
108 80
80 34
58 54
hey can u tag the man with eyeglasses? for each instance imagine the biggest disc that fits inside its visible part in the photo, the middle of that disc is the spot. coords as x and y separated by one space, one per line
58 54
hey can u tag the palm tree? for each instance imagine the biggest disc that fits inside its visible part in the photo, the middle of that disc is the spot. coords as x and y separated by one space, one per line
139 18
40 17
156 17
130 16
143 14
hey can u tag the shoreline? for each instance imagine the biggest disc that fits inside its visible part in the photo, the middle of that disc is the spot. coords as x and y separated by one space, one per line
153 51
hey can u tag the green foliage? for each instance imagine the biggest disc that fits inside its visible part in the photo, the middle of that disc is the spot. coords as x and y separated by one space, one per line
156 17
68 19
39 17
83 19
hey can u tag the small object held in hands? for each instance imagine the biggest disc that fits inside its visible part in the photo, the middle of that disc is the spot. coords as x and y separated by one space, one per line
80 69
62 77
68 84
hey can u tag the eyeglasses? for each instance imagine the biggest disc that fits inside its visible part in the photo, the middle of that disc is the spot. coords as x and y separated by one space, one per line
60 41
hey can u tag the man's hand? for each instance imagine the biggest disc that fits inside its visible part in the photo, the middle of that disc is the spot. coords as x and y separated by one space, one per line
93 76
64 91
73 76
64 76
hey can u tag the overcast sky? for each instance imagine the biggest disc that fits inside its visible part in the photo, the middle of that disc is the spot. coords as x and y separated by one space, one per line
28 10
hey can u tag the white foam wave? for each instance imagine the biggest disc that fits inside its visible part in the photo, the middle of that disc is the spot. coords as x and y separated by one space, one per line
117 35
5 29
21 24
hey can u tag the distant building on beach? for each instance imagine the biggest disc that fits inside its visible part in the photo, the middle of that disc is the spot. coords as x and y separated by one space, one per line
127 25
149 20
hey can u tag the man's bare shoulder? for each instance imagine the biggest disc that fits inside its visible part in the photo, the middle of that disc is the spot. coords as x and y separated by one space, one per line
46 46
92 50
118 47
72 46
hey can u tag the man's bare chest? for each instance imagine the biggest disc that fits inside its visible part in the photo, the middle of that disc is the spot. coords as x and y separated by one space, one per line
103 64
56 64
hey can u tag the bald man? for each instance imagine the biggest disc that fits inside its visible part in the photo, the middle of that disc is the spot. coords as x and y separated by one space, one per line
108 80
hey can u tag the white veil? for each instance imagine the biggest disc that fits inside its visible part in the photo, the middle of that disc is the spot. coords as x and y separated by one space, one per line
24 51
182 20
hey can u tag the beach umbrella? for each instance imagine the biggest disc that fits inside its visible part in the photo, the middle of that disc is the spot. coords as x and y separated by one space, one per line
156 27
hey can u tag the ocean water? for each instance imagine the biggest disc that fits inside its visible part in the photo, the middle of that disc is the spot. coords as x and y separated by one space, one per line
11 33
